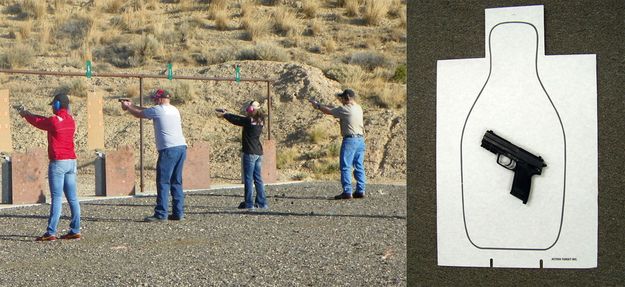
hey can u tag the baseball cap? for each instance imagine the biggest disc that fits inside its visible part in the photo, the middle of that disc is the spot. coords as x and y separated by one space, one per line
62 98
347 93
160 93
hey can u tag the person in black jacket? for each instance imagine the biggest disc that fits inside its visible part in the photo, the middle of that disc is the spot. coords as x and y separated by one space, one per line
252 153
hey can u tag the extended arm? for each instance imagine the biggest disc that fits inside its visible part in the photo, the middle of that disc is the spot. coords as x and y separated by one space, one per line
134 110
323 108
38 121
236 120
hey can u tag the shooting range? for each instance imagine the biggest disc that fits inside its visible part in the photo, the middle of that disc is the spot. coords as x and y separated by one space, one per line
115 171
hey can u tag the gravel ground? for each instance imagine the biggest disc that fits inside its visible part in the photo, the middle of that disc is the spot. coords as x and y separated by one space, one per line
304 239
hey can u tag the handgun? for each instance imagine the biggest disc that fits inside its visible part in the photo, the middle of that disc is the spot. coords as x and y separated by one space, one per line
314 102
523 163
123 100
19 108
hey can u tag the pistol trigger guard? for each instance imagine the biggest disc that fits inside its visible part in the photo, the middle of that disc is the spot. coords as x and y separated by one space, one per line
510 164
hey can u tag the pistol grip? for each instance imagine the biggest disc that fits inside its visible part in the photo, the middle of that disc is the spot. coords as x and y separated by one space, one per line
522 182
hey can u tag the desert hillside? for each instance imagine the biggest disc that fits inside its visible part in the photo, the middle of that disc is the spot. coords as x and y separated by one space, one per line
310 48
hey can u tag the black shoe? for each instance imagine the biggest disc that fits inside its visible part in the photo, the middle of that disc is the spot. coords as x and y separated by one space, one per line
154 219
358 195
343 196
171 217
242 206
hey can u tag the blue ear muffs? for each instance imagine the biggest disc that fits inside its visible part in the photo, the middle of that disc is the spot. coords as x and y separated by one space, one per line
56 105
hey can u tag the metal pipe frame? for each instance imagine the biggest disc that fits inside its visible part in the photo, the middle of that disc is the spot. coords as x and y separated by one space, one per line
147 76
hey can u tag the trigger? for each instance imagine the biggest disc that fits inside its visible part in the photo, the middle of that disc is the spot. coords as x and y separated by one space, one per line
506 162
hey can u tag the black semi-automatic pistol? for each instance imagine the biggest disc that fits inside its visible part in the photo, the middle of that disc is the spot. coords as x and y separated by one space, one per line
523 163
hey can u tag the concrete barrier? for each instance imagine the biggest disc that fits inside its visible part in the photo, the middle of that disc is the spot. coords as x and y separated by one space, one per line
196 172
120 172
29 174
270 174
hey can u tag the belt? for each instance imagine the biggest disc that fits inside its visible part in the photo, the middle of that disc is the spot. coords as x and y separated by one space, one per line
353 136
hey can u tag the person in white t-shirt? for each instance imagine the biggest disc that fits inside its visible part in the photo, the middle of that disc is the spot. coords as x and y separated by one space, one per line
172 152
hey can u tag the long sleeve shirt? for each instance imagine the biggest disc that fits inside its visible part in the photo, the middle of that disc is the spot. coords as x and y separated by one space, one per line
250 141
61 128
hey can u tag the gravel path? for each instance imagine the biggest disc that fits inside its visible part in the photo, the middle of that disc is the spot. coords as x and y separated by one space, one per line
304 239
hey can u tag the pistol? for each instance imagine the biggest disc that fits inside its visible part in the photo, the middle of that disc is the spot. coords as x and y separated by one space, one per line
19 108
123 100
523 163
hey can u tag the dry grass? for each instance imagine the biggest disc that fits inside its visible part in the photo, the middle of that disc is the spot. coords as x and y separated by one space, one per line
219 4
211 57
110 34
255 27
377 91
59 5
285 23
34 8
392 96
133 21
375 11
395 8
345 74
316 27
264 52
370 60
248 7
20 55
75 28
221 20
286 157
182 92
326 166
147 47
77 87
187 32
310 8
185 5
131 91
403 21
25 29
329 45
334 150
111 6
318 134
352 7
151 4
44 35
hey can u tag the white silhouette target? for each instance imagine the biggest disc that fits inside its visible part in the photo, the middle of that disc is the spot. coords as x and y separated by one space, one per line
545 105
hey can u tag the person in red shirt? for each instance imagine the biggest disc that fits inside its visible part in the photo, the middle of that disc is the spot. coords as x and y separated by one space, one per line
62 167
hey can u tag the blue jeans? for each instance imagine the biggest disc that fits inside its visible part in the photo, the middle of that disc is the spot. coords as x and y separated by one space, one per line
62 179
353 156
252 177
169 179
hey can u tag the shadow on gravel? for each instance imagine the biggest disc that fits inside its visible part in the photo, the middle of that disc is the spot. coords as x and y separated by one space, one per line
300 214
268 196
15 237
96 219
27 216
117 204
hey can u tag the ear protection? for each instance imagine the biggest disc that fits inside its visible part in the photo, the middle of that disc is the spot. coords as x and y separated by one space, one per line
250 107
56 105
